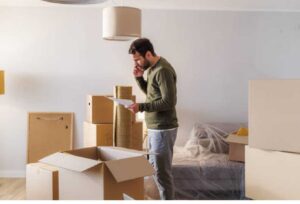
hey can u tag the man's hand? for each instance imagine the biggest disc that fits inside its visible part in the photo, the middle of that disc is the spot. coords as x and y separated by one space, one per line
138 71
134 108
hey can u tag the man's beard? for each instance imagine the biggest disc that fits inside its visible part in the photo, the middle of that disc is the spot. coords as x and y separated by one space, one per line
146 65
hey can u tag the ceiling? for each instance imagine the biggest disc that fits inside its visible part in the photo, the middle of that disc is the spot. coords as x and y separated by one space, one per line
249 5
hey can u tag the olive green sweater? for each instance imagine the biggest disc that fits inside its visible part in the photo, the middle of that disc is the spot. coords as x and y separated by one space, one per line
160 89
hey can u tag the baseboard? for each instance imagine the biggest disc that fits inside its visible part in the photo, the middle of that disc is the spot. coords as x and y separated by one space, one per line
12 174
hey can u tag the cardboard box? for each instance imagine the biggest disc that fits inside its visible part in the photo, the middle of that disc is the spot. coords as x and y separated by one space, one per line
274 115
133 115
137 136
100 109
100 173
41 182
48 133
272 175
237 147
97 134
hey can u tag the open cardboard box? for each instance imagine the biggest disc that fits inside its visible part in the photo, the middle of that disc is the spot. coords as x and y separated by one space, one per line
41 182
100 173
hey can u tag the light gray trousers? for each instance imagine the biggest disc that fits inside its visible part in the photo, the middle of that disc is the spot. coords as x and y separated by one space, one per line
161 143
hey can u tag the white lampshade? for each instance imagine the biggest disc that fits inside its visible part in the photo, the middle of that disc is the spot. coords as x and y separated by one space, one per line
76 1
121 23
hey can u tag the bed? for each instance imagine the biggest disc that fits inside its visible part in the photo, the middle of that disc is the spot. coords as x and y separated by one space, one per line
214 179
201 168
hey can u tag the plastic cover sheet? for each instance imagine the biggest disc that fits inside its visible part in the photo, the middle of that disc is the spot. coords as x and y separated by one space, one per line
201 168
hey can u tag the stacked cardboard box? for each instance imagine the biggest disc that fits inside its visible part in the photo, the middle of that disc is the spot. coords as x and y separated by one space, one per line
98 127
272 157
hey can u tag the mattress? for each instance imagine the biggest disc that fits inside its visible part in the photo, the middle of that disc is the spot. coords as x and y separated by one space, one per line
208 177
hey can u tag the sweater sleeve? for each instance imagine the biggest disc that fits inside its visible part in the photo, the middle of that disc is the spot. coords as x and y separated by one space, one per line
166 82
142 84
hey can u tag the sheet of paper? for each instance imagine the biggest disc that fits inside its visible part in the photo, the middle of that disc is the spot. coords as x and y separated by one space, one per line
125 102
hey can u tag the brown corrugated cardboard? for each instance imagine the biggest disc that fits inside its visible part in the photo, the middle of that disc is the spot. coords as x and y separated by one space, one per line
122 129
137 136
99 109
272 175
237 139
97 134
48 133
237 147
133 115
41 182
100 173
274 112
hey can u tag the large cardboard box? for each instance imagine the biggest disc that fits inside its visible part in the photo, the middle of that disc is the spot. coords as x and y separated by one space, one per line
97 134
237 147
48 133
272 175
137 136
100 109
274 115
100 173
41 182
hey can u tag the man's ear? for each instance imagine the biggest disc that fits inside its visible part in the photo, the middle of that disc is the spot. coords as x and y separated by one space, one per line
148 54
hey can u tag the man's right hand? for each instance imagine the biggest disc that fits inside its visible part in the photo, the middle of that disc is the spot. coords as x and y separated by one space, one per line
138 71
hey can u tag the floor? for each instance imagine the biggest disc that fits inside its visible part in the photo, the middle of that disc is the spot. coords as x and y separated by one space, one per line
12 189
15 189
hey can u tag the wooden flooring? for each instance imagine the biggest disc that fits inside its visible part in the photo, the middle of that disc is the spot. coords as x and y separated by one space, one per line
12 189
15 189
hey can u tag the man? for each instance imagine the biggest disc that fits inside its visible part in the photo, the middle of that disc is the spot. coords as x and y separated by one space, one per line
159 108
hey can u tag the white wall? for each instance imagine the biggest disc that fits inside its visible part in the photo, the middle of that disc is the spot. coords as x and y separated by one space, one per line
53 57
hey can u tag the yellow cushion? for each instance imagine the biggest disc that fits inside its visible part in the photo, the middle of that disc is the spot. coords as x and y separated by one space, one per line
242 132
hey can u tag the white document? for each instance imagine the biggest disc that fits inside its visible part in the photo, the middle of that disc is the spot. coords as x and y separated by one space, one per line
125 102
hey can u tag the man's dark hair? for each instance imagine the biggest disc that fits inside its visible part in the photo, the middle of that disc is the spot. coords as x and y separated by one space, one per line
141 45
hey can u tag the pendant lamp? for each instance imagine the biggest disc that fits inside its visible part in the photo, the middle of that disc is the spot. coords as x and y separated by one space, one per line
121 23
76 1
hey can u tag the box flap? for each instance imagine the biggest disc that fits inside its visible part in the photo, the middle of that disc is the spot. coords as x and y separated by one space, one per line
116 153
130 168
237 139
123 149
70 162
87 152
43 166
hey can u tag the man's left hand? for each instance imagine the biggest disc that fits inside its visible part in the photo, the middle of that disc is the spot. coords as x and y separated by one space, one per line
134 108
